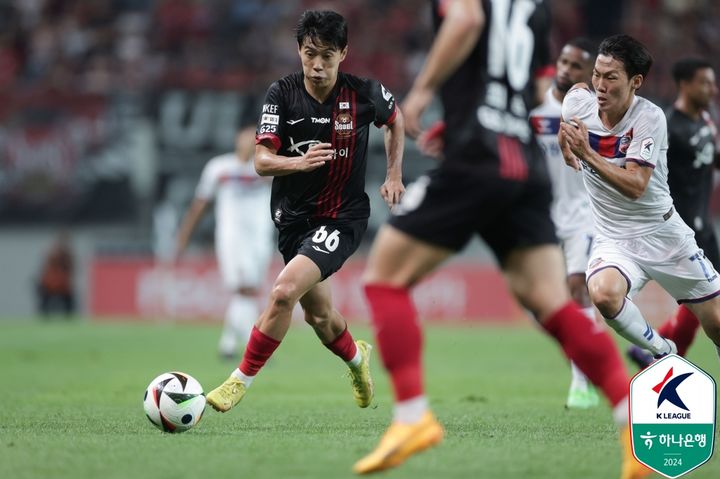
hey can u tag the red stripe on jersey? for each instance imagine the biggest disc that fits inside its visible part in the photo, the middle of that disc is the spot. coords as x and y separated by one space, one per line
512 160
342 164
325 192
505 160
607 145
271 137
325 198
347 169
522 163
546 71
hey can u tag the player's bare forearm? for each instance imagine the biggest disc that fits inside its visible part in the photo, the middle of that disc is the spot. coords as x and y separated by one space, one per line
631 181
460 29
458 34
394 146
392 189
269 163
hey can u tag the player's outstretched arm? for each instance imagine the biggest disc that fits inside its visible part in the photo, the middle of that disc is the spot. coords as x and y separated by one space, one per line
269 163
393 189
188 224
631 181
458 34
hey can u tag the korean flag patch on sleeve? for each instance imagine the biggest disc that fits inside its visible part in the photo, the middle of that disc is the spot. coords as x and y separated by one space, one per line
647 146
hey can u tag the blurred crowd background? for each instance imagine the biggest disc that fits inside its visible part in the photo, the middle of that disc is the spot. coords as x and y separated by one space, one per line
110 108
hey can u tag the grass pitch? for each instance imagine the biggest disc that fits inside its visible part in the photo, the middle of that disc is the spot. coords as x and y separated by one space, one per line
72 407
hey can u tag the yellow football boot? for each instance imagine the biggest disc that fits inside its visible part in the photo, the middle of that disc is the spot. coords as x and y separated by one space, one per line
227 395
362 383
400 442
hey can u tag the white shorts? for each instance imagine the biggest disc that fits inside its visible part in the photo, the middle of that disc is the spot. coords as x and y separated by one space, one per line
243 263
576 249
670 256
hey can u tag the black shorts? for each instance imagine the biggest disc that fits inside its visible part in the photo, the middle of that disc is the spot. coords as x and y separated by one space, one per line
328 243
447 207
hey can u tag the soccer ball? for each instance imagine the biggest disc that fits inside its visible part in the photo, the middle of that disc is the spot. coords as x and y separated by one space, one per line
174 402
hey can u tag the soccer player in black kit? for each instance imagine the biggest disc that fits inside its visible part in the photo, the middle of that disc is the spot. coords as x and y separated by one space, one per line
692 156
484 60
312 138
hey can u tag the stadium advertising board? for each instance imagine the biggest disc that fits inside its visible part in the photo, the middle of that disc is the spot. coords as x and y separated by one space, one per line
138 288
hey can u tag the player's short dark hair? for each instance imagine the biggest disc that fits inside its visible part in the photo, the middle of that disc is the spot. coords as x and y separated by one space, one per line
584 44
634 56
325 27
684 70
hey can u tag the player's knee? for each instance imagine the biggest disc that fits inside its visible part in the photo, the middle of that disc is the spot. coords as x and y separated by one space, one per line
606 297
284 295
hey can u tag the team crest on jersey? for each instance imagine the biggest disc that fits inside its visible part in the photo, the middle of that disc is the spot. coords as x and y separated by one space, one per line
625 142
343 124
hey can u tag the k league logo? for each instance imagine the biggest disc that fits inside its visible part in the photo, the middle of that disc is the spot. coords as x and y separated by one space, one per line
672 416
667 390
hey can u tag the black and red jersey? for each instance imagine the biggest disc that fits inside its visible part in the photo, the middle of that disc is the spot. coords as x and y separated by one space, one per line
691 158
488 98
292 121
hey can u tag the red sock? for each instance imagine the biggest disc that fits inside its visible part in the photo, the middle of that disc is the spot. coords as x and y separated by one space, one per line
343 346
591 349
257 352
667 328
399 338
681 329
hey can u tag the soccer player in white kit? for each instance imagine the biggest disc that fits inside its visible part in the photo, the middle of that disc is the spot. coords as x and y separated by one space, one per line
620 141
243 234
570 209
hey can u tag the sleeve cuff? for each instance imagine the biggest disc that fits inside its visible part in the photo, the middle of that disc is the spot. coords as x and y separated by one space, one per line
271 137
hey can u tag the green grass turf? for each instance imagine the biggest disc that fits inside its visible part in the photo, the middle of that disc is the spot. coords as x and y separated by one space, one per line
72 394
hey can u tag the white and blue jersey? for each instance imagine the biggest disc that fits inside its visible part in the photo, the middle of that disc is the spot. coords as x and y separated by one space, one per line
639 137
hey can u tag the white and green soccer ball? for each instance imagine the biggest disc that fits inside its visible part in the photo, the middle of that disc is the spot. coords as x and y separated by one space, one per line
174 402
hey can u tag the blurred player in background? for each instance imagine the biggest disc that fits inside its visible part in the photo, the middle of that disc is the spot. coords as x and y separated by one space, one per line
620 141
312 137
493 182
243 234
570 209
692 157
55 287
